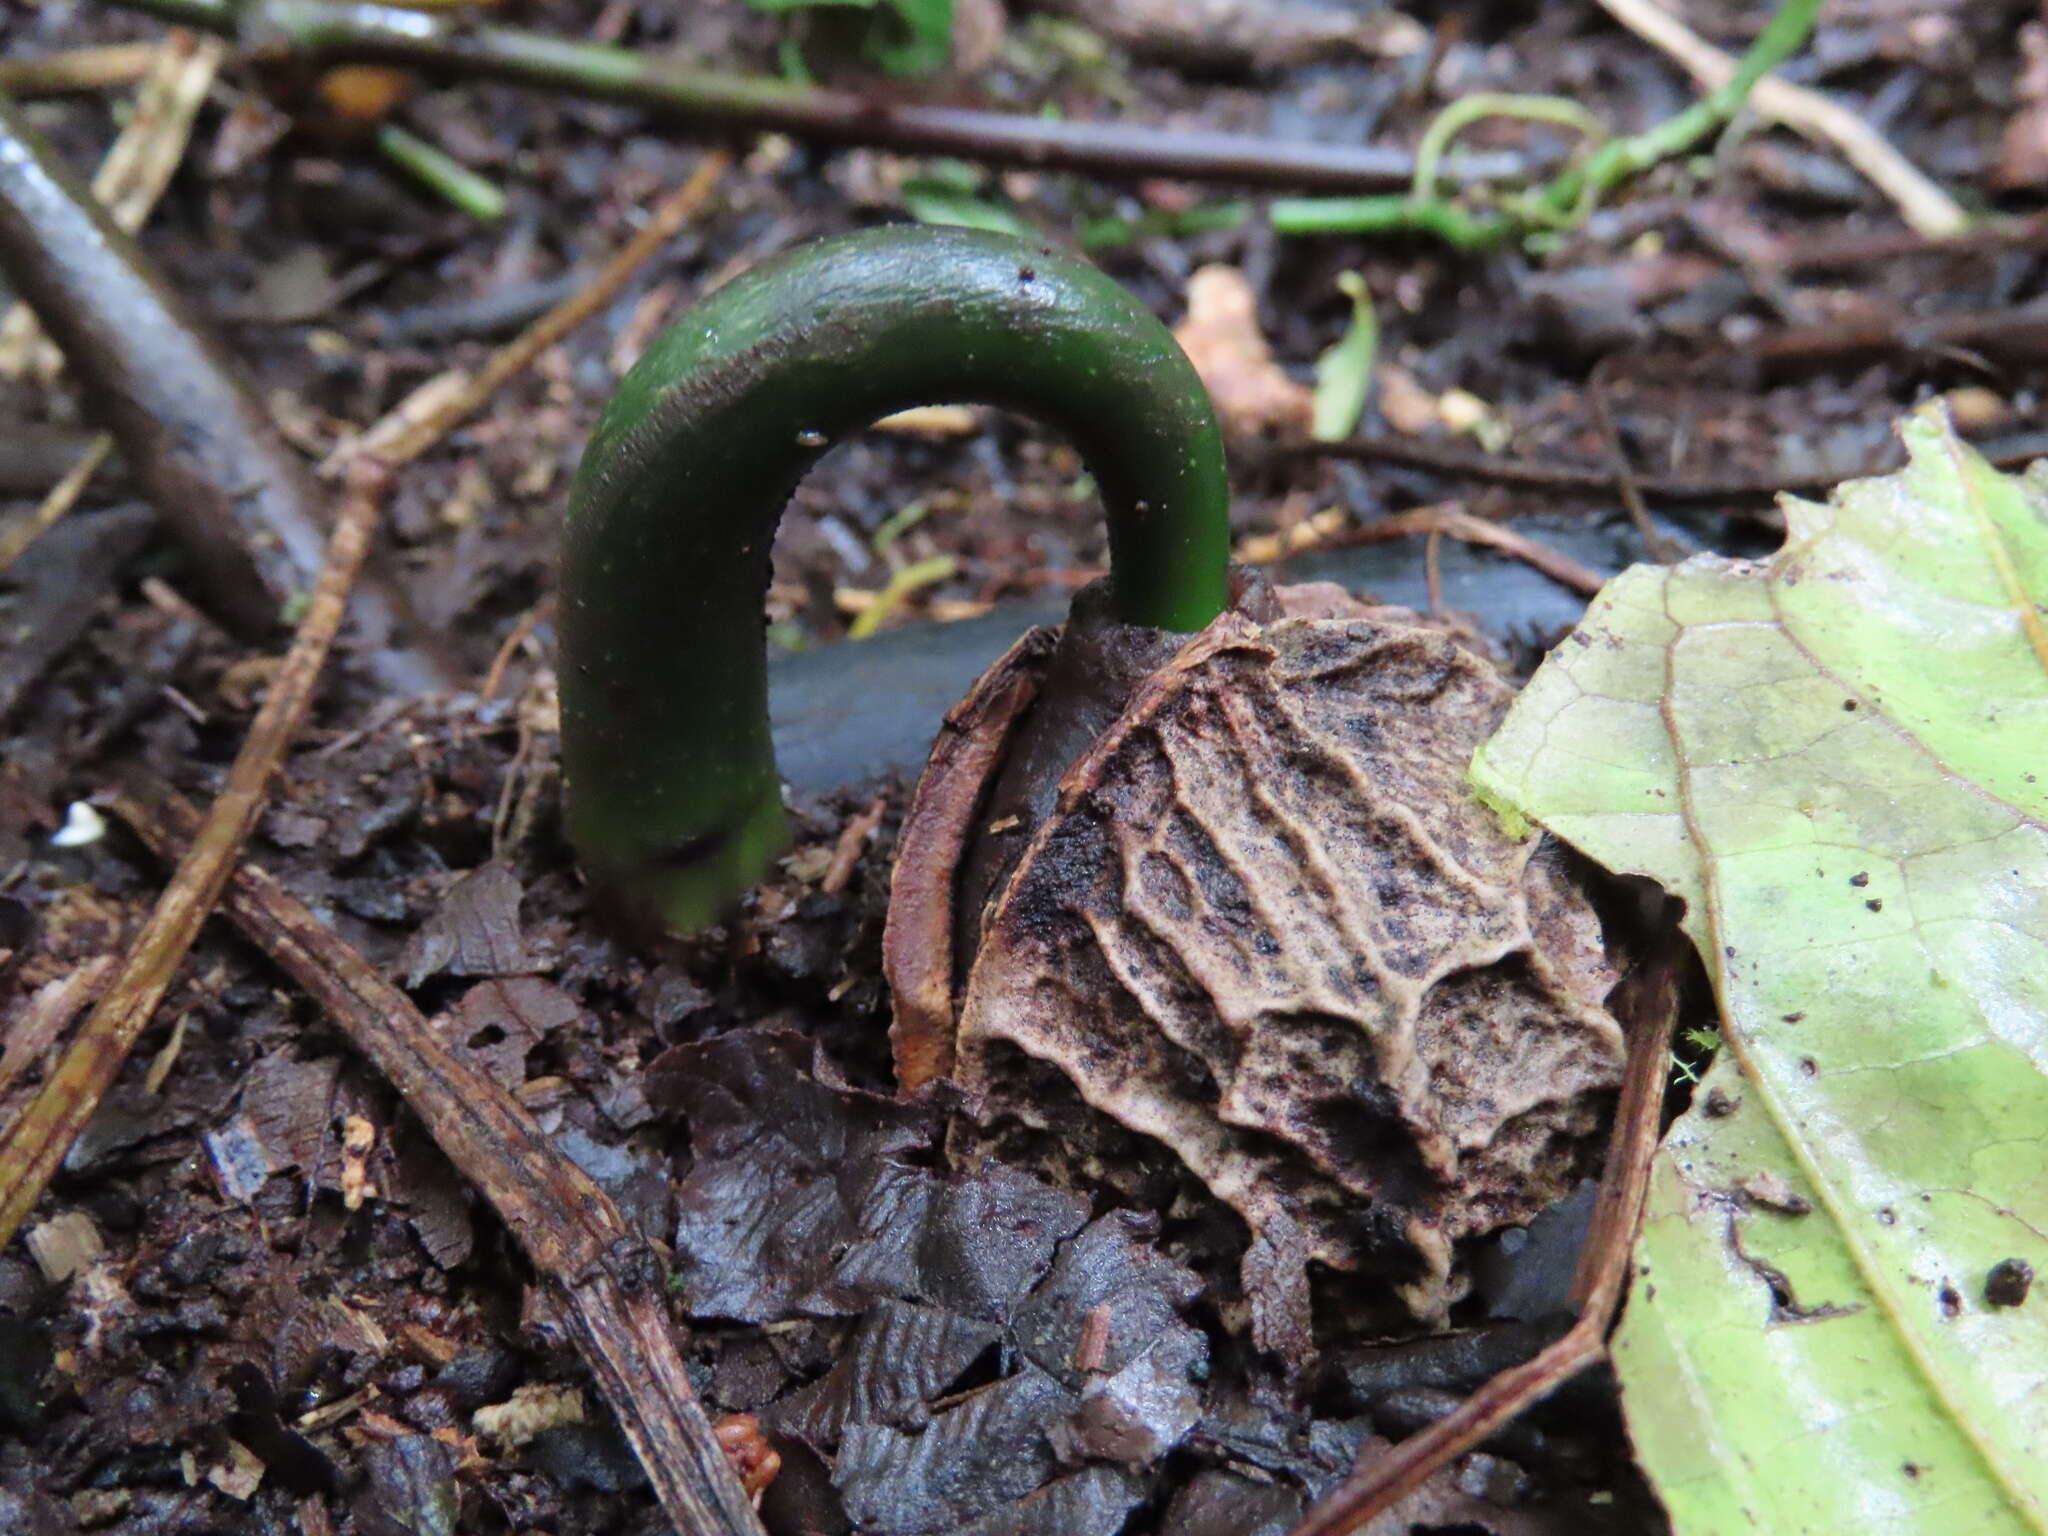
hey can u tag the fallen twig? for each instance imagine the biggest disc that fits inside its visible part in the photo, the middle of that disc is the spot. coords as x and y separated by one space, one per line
33 1146
2017 335
1647 1003
494 677
79 69
1857 247
326 32
1433 572
1655 545
1920 202
1463 526
39 454
203 448
48 1013
63 496
1574 480
436 407
132 176
852 838
603 1275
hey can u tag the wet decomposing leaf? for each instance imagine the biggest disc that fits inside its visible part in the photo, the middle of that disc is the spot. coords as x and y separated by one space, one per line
474 932
902 1357
1268 926
1222 1504
282 1123
1012 1368
1834 758
1221 337
984 1452
1092 1502
798 1205
412 1485
497 1022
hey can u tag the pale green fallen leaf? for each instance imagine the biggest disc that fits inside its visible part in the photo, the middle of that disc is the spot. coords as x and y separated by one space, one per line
1344 372
1839 759
950 192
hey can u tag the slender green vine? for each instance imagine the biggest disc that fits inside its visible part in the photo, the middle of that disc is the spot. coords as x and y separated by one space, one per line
1568 198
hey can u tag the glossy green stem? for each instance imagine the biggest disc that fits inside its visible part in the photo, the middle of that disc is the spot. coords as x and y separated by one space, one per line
674 802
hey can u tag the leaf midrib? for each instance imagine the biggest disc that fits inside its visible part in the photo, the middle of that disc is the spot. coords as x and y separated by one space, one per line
1868 1268
1994 544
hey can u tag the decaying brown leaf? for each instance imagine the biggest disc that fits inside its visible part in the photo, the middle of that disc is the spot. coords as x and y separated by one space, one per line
1222 339
2023 156
1270 926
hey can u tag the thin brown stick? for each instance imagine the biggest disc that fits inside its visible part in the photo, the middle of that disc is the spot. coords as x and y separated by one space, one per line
1859 247
195 438
17 537
1462 525
133 174
852 838
1532 475
78 69
1433 571
434 409
319 32
1655 544
2017 335
606 1280
1648 1005
529 621
35 1144
1576 479
49 1011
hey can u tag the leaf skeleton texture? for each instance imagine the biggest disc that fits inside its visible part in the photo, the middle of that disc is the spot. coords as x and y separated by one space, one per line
1268 926
1839 759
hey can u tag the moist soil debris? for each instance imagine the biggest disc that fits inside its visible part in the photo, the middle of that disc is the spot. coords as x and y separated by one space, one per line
264 1301
948 1342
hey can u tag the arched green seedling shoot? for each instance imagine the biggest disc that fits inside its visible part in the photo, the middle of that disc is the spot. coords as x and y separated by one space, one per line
674 803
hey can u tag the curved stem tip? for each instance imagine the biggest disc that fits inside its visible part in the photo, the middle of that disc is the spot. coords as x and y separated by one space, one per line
674 804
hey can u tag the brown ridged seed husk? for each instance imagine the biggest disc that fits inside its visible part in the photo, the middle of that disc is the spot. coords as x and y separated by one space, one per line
1269 925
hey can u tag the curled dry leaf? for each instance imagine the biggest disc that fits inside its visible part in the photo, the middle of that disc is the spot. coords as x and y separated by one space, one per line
1270 926
1222 339
2023 156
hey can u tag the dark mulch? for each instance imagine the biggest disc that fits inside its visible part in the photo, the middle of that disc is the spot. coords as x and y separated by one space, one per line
922 1333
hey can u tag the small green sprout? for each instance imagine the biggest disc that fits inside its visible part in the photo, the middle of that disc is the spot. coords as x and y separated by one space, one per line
674 805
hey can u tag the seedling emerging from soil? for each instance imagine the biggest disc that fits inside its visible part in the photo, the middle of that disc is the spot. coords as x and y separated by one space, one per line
1206 858
674 803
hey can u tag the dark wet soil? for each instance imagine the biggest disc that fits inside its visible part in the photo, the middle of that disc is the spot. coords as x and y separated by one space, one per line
258 1298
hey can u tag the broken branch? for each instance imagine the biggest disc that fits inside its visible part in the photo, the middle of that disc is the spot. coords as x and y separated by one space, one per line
1413 452
322 32
16 537
1466 528
202 446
